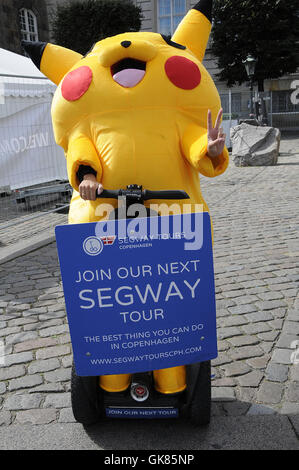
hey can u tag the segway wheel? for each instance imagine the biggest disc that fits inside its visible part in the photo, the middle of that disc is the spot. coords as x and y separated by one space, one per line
200 407
85 394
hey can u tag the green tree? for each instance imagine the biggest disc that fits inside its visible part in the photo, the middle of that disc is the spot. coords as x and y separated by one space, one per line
268 29
78 25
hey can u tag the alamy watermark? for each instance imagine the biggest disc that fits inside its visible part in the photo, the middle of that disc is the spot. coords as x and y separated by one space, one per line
295 94
2 353
295 353
188 225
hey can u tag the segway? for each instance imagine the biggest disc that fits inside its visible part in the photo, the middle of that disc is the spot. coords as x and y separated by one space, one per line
91 404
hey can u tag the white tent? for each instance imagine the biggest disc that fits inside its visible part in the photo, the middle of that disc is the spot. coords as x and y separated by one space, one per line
15 64
28 152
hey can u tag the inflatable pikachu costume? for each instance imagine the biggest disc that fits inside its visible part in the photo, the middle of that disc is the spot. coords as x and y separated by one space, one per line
134 110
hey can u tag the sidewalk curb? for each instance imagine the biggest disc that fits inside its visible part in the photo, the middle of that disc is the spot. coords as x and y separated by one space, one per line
25 246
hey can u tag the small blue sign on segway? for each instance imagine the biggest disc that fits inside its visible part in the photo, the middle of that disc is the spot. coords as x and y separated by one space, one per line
139 293
145 413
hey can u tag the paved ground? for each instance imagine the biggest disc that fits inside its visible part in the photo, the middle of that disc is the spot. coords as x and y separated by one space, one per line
256 384
224 433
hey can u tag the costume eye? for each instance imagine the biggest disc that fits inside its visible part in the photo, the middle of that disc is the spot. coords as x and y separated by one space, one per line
168 40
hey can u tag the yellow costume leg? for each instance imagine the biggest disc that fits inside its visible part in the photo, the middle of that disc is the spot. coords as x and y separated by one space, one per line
115 383
172 380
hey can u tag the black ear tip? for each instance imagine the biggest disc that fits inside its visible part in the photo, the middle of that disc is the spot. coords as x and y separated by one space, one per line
25 45
35 51
205 7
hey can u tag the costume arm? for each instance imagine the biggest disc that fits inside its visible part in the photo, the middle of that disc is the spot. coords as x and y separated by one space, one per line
85 170
81 151
195 149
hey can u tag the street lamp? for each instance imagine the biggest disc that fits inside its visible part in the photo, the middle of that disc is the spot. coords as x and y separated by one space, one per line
250 64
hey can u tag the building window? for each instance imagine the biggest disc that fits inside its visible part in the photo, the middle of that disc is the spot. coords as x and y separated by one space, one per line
28 25
170 14
236 103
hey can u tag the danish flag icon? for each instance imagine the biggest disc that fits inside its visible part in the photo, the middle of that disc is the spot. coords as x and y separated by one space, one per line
108 240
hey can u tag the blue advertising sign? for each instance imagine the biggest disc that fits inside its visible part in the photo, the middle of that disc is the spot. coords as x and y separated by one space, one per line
139 293
145 413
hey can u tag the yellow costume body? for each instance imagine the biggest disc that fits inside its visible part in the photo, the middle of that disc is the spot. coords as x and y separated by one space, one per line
151 132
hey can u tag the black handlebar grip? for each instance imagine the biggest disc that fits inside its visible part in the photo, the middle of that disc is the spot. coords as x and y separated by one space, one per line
145 195
109 194
171 194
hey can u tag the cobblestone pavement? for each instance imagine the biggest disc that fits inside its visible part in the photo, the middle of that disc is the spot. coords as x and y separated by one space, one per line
27 226
256 220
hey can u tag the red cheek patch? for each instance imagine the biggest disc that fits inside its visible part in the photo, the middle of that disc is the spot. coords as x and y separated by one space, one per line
76 83
182 72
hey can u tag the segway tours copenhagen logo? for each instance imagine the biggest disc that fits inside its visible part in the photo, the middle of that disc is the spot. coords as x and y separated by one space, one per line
93 246
109 240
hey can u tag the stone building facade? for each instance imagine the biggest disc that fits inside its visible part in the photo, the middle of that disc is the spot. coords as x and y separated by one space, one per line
22 19
236 100
31 19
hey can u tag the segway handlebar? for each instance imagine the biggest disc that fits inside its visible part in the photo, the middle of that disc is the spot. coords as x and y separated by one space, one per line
136 192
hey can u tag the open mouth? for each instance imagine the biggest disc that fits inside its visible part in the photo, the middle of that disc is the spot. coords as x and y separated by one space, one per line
128 72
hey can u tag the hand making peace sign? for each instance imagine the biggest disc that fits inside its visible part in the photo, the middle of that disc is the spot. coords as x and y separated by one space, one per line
216 137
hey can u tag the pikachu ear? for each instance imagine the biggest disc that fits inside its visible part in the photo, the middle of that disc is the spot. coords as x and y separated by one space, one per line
53 61
195 28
